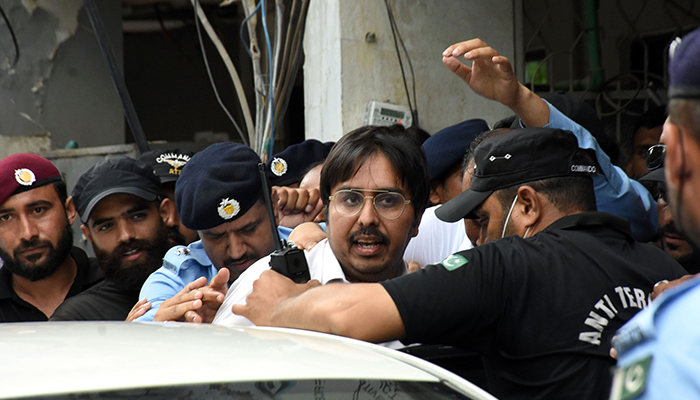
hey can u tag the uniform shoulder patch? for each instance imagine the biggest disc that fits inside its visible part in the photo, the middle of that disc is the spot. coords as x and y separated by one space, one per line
630 382
453 262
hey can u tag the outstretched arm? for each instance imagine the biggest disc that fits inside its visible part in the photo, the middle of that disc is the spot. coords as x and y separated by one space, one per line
491 76
196 302
362 311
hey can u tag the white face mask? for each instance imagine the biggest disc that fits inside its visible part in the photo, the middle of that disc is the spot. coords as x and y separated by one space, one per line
503 234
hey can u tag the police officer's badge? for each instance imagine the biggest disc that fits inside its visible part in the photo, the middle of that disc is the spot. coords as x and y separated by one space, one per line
278 166
176 161
25 177
182 251
228 208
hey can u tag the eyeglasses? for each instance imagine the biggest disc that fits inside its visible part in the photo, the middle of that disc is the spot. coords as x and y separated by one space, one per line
655 156
349 202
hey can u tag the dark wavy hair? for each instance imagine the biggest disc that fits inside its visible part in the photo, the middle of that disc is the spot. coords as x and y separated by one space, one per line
405 155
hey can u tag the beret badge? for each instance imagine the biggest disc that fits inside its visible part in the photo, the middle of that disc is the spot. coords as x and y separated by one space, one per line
229 208
279 166
176 161
25 177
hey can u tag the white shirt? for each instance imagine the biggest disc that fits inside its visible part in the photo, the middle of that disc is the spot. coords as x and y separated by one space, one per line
436 239
323 266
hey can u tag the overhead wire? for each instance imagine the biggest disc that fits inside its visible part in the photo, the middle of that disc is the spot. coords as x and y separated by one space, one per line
270 117
395 32
294 63
12 33
195 3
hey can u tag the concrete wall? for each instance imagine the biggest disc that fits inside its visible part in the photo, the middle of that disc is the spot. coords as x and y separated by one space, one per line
343 71
60 83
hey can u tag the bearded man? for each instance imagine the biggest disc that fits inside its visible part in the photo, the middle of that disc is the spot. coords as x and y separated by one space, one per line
40 267
121 206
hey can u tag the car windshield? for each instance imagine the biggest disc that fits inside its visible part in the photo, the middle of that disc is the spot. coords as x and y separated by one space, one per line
283 390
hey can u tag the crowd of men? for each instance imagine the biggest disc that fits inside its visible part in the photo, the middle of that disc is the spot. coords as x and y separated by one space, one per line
524 245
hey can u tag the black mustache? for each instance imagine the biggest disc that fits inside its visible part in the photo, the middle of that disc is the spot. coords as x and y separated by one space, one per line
133 244
671 229
369 231
30 244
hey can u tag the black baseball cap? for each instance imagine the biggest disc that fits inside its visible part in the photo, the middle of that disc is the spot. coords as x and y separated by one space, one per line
113 176
515 157
658 175
167 164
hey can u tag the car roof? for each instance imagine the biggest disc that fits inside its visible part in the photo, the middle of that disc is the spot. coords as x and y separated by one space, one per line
70 357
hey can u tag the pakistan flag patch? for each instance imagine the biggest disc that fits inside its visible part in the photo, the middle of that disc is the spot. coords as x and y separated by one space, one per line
629 383
453 262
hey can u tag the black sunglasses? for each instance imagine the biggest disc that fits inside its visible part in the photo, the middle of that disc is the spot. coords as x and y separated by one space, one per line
655 156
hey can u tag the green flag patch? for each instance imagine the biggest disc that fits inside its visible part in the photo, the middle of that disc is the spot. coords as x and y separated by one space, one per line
630 383
453 262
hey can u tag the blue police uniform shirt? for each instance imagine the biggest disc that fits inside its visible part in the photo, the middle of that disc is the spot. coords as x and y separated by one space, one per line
615 192
659 349
181 265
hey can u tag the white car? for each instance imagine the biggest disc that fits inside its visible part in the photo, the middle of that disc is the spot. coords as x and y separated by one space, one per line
117 360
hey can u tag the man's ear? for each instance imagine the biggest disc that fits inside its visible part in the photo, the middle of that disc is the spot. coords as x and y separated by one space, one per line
434 195
529 205
71 212
168 213
417 224
86 232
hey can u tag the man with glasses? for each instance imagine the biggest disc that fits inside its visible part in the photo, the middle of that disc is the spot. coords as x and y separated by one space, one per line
540 305
659 349
375 187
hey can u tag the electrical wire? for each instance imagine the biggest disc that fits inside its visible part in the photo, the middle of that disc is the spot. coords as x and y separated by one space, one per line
291 63
395 33
163 29
12 33
410 66
269 68
240 32
211 78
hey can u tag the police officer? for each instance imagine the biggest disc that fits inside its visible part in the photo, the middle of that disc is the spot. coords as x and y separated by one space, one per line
39 266
219 195
119 203
659 354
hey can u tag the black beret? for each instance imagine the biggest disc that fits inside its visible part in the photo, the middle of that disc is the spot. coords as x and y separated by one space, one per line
447 147
683 67
287 166
218 185
113 176
167 164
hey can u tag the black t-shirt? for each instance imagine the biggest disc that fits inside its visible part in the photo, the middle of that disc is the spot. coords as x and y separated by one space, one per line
542 310
103 302
15 309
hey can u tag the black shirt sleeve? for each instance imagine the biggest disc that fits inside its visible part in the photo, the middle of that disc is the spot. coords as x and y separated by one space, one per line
448 305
